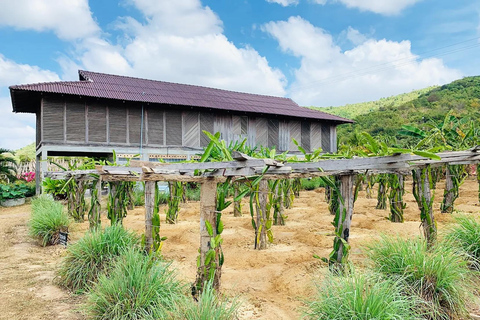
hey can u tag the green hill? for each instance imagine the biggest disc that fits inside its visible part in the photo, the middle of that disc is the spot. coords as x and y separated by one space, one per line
352 111
384 118
26 153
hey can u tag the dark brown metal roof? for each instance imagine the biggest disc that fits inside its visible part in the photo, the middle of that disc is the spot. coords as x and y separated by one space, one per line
100 85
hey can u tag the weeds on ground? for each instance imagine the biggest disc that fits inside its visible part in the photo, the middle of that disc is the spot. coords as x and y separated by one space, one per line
465 234
210 306
439 276
138 287
48 218
92 255
361 297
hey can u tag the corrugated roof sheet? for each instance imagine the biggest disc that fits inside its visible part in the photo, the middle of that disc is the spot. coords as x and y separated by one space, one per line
100 85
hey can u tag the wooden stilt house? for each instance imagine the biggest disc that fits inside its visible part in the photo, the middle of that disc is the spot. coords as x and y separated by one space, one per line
156 119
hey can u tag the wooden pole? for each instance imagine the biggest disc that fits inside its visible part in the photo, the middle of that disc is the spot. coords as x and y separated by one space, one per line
422 180
261 219
342 221
149 208
208 197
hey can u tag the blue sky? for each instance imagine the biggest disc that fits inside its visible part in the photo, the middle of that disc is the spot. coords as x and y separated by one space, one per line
318 52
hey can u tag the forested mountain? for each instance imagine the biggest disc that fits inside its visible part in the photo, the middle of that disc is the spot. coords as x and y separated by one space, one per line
461 96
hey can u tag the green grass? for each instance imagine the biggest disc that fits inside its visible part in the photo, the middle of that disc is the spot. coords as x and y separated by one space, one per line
138 287
210 306
439 276
47 219
311 184
361 297
193 194
466 235
92 255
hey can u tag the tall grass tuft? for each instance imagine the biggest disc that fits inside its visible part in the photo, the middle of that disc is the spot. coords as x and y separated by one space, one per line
466 235
138 287
360 297
439 276
210 306
92 255
47 220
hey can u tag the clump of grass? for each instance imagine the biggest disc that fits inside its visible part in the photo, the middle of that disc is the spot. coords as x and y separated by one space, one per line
138 287
92 255
466 235
210 306
48 218
360 297
439 275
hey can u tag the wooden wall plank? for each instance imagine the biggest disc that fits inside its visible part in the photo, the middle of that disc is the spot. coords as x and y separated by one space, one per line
262 132
283 136
97 122
223 124
207 121
173 124
295 133
191 129
117 123
252 132
305 132
53 119
315 135
326 139
134 124
155 126
273 133
75 115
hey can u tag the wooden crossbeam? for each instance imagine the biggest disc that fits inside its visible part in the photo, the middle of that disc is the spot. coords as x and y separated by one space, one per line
248 166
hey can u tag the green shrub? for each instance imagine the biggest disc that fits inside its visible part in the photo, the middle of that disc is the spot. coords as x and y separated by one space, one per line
138 287
439 276
193 194
92 255
139 197
47 220
209 306
466 235
311 183
361 297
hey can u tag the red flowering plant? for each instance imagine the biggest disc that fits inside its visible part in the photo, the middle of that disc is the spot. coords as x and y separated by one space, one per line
27 176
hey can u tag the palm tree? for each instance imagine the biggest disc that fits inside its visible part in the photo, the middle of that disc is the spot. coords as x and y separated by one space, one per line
8 164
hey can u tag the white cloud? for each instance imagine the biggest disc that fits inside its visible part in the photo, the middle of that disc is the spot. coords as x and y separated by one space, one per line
385 7
284 3
18 130
179 41
12 73
69 20
371 70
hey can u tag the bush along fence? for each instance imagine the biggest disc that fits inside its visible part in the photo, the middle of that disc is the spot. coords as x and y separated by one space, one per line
215 179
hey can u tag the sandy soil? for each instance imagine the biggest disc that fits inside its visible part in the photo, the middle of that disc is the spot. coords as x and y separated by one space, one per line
270 284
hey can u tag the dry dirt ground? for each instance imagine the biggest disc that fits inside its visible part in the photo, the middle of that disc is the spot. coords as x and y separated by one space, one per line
270 284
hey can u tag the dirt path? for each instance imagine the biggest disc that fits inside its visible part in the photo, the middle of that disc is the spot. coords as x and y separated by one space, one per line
27 289
270 283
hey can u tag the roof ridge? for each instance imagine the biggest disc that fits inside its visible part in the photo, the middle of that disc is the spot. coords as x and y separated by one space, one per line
82 72
20 86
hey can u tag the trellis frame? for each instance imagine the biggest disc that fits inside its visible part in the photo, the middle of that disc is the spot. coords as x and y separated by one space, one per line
243 166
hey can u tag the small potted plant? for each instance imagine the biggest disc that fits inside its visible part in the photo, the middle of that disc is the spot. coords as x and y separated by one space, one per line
13 194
